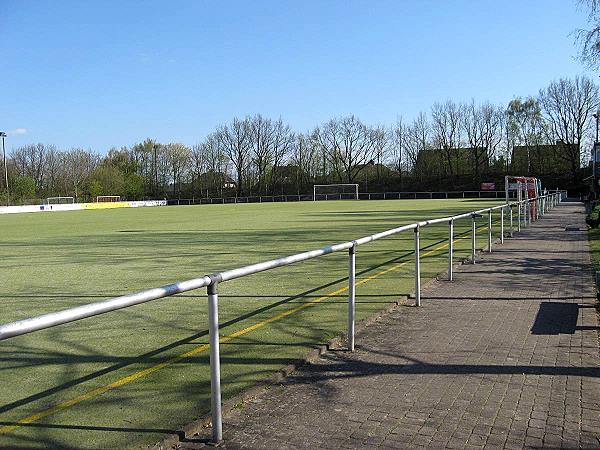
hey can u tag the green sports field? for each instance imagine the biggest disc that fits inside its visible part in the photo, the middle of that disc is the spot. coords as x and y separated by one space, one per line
126 378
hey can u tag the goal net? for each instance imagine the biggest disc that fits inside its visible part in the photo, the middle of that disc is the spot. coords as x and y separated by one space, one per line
59 200
108 198
335 192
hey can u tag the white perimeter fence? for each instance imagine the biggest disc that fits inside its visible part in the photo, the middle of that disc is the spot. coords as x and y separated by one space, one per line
79 206
527 211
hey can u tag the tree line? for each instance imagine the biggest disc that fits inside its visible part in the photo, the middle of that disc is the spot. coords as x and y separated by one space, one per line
453 146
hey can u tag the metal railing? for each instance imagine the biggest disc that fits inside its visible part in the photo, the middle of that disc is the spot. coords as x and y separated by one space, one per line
392 195
527 211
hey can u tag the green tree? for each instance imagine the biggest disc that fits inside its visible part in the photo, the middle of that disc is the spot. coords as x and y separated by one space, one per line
134 186
111 180
95 188
23 188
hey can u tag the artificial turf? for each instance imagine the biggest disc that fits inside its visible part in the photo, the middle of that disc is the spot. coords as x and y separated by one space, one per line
52 261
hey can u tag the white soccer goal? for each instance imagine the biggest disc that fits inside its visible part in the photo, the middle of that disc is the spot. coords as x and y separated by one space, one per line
335 192
520 188
59 200
108 198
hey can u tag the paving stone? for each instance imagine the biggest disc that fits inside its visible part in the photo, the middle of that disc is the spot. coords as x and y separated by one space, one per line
505 355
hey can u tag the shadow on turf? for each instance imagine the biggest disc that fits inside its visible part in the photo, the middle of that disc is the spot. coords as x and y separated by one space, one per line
145 358
93 428
47 442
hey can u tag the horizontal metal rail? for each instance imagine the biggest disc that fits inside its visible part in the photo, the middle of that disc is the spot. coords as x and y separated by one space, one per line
391 195
93 309
528 210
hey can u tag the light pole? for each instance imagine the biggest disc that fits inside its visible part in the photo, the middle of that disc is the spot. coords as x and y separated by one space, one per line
595 168
3 135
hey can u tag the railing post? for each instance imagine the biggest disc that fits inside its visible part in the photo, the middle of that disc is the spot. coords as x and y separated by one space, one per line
450 250
519 217
351 295
417 267
473 239
215 363
511 220
543 202
490 231
502 225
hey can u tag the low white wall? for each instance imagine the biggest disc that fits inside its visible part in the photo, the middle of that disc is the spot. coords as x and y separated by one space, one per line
79 206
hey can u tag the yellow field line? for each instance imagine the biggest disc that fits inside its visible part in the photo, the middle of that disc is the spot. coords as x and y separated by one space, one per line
202 348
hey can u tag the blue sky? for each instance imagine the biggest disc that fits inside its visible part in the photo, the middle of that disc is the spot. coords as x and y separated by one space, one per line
98 74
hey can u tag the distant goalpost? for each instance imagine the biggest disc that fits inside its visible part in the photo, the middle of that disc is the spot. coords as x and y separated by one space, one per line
343 191
108 198
521 188
59 200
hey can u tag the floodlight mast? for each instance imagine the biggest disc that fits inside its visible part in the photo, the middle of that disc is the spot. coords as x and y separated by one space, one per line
595 157
3 135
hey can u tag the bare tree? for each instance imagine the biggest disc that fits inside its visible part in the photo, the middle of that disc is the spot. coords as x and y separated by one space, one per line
78 165
589 39
235 142
568 106
209 165
261 136
417 139
472 123
397 141
198 163
446 130
178 158
381 146
52 163
349 145
493 122
30 161
526 126
283 140
305 157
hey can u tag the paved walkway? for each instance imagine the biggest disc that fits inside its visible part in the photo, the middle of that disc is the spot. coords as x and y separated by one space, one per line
505 356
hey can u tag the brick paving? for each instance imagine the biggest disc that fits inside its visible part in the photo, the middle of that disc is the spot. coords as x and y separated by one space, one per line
506 356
